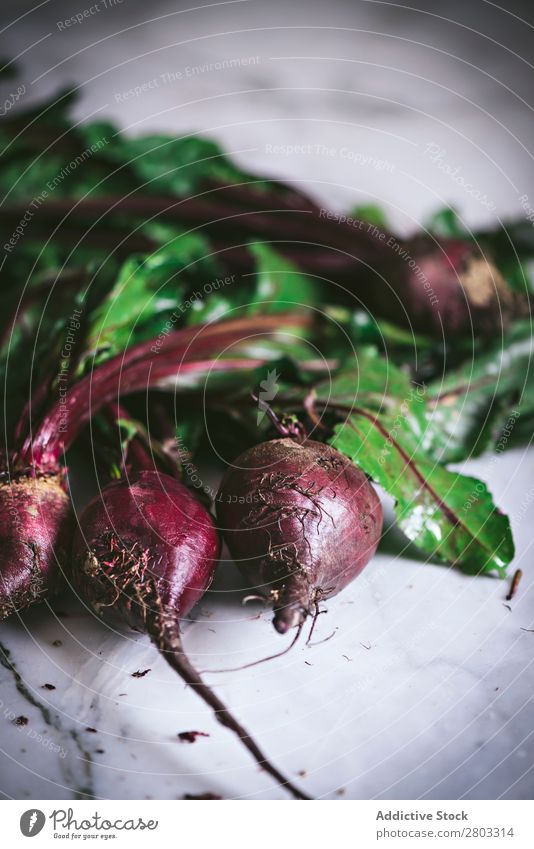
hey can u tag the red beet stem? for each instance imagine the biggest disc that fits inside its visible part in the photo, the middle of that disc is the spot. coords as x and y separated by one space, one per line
265 217
144 366
62 425
137 451
433 286
170 645
226 332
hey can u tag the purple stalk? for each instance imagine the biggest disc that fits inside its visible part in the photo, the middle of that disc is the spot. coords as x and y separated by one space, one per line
446 287
189 351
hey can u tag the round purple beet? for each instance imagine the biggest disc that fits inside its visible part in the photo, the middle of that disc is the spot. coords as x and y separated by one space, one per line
449 288
35 527
301 522
146 549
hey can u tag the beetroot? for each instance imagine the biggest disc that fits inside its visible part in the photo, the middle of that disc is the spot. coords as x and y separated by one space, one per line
445 289
34 538
146 551
301 522
147 548
35 511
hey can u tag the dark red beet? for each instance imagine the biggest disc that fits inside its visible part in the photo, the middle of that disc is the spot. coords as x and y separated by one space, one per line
146 550
34 510
35 525
447 288
301 522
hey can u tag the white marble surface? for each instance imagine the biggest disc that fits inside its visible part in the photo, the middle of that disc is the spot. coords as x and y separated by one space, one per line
425 689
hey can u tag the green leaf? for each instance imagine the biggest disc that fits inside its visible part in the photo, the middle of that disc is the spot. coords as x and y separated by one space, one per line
470 406
152 294
446 223
48 158
381 421
375 383
176 166
128 431
371 213
444 513
278 283
349 330
275 285
189 430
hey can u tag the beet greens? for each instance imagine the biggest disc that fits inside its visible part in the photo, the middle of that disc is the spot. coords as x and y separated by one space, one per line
121 200
390 356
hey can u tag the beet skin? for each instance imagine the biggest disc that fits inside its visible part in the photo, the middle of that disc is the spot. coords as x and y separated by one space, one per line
35 525
147 548
448 289
301 521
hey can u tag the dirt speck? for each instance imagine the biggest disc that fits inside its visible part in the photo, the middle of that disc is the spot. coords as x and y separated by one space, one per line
191 736
202 796
141 673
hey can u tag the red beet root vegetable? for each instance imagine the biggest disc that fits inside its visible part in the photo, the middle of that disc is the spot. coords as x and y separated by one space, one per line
146 550
35 509
301 522
34 539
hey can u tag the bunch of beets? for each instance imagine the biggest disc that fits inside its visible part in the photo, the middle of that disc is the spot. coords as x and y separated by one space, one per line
300 518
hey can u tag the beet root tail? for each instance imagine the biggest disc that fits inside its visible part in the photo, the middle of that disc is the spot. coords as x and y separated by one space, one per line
169 643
